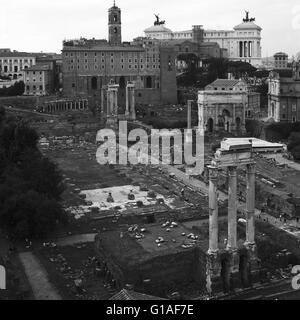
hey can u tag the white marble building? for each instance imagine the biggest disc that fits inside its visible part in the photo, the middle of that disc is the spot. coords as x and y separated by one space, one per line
243 43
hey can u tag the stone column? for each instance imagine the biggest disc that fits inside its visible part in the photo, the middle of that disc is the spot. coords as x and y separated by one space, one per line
127 112
133 112
250 206
189 115
232 209
115 102
108 103
213 211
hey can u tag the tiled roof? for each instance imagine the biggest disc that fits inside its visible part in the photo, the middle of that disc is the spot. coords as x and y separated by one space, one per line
16 54
127 295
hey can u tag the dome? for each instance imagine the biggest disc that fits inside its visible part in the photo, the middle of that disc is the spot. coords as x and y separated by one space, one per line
247 26
158 28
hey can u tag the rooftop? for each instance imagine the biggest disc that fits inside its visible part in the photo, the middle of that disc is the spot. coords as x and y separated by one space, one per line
224 83
247 26
128 295
158 28
39 67
16 54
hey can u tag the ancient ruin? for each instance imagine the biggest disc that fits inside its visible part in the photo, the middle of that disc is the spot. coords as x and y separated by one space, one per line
226 265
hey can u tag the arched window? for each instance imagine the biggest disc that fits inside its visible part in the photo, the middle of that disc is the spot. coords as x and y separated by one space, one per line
94 83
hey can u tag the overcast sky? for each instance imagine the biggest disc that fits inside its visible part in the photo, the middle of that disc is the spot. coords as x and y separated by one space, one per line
42 25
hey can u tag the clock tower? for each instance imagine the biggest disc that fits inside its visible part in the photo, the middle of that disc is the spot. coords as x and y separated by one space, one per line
114 25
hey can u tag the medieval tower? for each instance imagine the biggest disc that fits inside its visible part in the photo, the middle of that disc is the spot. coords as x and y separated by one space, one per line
114 25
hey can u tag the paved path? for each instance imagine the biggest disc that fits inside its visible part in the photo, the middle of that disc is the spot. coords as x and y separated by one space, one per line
38 278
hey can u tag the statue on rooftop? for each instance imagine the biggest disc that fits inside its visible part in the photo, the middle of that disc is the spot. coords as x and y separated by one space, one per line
158 22
247 19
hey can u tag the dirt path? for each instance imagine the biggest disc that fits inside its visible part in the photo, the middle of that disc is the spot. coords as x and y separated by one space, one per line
281 160
38 278
77 239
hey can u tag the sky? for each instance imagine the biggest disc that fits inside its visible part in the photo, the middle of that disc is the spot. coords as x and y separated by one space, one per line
42 25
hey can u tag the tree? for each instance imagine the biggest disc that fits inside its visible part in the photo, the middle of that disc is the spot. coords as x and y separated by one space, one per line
16 90
30 184
30 215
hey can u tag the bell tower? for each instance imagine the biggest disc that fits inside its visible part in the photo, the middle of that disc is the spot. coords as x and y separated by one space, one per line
114 25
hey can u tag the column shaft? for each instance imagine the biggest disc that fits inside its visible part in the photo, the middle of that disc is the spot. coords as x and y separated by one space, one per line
127 101
213 211
133 104
232 208
189 116
250 205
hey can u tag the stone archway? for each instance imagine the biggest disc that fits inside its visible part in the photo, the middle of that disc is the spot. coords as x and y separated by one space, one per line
210 125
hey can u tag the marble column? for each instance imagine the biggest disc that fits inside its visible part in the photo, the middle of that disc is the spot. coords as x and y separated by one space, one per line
250 205
232 209
213 211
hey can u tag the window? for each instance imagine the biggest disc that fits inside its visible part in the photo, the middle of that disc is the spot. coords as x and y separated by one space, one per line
94 83
41 88
73 85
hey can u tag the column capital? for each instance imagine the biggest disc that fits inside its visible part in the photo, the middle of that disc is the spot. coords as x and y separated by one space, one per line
251 168
232 171
213 172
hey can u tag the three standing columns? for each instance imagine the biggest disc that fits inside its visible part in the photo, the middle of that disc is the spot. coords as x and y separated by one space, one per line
232 208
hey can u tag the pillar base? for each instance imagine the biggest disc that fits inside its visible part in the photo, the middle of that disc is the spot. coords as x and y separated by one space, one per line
253 262
213 269
112 122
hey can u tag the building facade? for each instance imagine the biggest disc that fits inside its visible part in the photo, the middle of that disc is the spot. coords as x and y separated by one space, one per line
90 65
222 106
281 60
13 63
284 96
243 43
39 80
